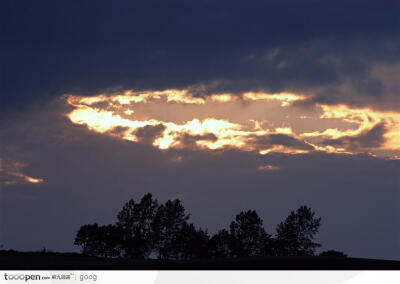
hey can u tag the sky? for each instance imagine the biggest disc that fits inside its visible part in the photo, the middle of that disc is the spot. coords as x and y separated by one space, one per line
226 105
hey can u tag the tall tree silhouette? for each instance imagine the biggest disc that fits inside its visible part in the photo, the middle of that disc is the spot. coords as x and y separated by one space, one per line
168 225
249 238
135 221
295 236
246 237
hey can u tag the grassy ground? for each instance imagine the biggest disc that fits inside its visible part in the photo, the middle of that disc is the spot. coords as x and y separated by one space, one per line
74 261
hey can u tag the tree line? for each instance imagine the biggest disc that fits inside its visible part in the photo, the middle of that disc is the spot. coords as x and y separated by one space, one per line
147 229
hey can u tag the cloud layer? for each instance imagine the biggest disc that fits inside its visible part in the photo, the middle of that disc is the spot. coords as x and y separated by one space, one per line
178 119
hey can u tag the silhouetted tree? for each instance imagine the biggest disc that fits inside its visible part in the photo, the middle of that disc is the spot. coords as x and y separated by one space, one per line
168 225
98 240
193 242
220 245
248 236
110 240
295 236
87 238
146 227
333 253
135 221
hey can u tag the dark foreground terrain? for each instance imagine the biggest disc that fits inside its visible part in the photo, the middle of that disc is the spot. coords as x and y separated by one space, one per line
72 261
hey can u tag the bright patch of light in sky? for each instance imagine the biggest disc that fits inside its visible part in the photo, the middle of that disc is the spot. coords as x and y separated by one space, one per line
249 122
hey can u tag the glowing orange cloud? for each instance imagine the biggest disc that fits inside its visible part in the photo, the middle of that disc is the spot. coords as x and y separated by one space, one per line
183 96
25 177
228 134
205 123
223 98
364 119
284 98
11 173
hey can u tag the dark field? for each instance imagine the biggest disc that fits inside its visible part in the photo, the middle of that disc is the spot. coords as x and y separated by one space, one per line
72 261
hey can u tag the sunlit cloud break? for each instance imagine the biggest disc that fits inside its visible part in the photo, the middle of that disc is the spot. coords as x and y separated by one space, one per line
11 173
251 121
366 120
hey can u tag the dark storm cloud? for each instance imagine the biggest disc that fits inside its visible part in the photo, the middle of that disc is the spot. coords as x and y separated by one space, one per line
48 48
369 139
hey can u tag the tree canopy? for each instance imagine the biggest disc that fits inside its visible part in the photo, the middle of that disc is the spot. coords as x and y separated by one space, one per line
135 221
148 229
295 235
